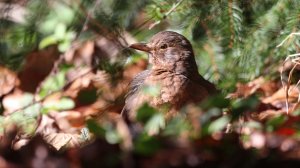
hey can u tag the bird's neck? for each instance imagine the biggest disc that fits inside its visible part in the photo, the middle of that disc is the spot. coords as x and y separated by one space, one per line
187 69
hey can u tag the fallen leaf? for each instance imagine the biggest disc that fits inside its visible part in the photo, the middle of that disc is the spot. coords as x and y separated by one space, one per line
61 140
8 80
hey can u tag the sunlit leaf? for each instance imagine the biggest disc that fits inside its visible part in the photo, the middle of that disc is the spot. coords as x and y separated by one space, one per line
47 41
218 124
112 137
111 134
151 90
64 13
215 125
60 31
155 123
62 104
53 83
27 98
33 110
48 26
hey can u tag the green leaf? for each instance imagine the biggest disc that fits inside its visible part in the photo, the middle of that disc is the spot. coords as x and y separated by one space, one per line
33 111
176 126
62 104
27 123
216 125
145 112
152 90
64 46
70 35
243 105
155 123
275 122
208 115
64 14
87 96
65 103
215 101
47 41
146 145
95 128
48 26
53 83
26 99
60 31
111 134
112 137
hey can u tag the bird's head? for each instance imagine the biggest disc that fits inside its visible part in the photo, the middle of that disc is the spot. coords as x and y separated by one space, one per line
170 51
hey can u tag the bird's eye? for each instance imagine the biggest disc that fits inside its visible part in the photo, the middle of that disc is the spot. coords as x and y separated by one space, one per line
164 46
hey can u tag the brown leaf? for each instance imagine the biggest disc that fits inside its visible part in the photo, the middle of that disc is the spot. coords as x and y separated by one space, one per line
81 54
37 67
279 97
61 140
258 85
8 80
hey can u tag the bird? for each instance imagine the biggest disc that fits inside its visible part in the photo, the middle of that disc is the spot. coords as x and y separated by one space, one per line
173 70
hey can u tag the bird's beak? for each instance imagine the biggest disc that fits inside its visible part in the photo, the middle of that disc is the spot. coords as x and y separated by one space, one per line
141 47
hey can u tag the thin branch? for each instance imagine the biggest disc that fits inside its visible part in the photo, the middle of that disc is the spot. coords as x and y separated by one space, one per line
288 37
166 14
53 92
87 18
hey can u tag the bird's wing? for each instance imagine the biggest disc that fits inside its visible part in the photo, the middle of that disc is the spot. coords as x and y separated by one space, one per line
210 87
135 86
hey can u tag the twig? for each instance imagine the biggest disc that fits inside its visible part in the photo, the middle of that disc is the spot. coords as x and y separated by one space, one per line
289 36
52 93
296 61
166 14
87 18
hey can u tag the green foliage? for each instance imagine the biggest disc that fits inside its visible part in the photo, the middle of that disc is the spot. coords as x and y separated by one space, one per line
239 107
216 125
53 83
87 96
62 104
156 122
273 123
95 128
147 145
145 112
215 101
60 37
111 134
176 126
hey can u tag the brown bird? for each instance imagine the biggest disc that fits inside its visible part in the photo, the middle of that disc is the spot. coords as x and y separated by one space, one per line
174 71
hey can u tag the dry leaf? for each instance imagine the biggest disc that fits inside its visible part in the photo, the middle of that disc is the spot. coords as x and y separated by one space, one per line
61 140
8 80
